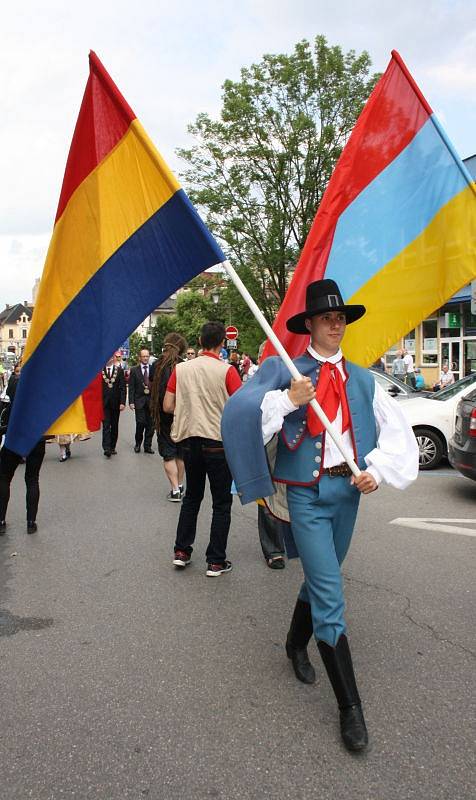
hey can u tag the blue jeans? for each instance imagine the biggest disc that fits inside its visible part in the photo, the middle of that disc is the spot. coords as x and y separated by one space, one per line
205 458
323 518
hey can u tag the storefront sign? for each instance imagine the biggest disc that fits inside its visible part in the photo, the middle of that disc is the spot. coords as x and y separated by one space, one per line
454 319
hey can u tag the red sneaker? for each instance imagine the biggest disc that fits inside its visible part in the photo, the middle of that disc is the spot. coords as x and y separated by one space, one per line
181 559
219 569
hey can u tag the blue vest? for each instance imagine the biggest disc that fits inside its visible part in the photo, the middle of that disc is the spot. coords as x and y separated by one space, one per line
299 456
241 424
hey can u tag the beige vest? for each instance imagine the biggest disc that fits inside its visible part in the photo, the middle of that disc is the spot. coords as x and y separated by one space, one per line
200 398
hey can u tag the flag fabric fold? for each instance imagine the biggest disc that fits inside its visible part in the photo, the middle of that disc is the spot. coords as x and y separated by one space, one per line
396 228
126 236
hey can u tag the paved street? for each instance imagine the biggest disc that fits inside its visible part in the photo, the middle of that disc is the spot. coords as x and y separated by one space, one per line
122 678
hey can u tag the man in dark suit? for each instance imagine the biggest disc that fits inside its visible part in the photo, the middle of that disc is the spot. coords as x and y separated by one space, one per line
140 384
114 401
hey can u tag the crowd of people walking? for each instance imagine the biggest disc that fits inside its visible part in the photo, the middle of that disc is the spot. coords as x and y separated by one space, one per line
196 401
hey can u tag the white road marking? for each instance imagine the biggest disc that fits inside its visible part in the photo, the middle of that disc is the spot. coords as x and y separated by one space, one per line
436 524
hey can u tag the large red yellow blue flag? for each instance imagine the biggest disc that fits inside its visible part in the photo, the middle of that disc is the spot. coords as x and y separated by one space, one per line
125 238
396 227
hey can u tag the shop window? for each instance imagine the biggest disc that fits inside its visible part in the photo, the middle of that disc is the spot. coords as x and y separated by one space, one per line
429 350
469 357
450 322
409 342
390 355
469 322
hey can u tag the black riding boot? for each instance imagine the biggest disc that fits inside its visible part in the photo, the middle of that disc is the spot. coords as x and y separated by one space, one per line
338 663
297 640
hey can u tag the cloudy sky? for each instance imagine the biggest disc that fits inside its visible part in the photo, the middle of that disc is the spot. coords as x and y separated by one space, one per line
170 60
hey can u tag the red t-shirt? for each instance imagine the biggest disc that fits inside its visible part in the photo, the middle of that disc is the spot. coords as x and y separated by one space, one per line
232 380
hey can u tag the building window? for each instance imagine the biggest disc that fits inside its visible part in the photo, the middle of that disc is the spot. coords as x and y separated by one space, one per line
23 333
469 321
409 342
469 357
450 322
390 356
429 350
10 333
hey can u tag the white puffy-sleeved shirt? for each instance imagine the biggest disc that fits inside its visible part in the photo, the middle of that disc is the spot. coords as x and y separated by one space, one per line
394 460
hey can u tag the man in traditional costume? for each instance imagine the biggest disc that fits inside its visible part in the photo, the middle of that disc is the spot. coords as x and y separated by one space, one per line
310 476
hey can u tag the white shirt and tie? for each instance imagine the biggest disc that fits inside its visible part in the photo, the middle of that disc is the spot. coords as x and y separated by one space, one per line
394 460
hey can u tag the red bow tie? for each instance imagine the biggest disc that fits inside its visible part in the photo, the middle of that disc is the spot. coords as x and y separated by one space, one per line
330 394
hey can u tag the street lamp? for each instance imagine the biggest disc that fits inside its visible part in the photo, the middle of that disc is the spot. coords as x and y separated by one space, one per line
215 297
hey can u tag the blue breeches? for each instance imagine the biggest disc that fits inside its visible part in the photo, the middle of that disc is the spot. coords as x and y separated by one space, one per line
323 518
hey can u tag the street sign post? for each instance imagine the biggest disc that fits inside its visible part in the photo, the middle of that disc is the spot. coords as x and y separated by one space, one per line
232 344
231 332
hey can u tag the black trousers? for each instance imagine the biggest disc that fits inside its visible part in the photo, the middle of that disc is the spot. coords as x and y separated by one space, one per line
110 427
205 458
144 426
9 461
271 533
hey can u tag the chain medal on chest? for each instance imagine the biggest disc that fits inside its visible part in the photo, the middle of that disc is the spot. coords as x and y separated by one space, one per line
109 381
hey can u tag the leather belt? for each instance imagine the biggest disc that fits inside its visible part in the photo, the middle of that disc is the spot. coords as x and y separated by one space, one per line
339 470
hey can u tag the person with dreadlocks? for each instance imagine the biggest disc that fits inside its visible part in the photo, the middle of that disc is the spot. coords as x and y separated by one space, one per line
173 351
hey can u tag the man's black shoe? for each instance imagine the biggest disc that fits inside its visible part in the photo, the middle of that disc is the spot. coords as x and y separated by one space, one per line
3 527
31 527
113 452
338 663
137 448
107 453
149 450
297 640
353 729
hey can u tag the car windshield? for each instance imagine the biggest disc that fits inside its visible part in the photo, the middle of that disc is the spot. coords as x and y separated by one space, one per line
471 396
389 380
451 391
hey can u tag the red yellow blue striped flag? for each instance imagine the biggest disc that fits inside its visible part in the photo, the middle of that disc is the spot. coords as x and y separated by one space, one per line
125 238
396 228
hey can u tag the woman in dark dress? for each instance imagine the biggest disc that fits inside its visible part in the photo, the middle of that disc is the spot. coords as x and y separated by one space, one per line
9 461
174 349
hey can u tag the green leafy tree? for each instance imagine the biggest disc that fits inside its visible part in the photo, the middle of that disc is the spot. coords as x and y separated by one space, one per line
232 310
136 343
259 172
192 310
165 323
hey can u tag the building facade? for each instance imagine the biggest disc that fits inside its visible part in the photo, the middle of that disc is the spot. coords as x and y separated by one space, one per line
446 337
15 324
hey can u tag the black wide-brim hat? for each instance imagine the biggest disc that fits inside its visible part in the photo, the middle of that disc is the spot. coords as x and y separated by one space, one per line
322 296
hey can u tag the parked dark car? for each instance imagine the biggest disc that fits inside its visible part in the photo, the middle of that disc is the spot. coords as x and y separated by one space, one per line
462 445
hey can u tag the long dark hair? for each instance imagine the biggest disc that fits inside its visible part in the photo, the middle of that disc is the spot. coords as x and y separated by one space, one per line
174 348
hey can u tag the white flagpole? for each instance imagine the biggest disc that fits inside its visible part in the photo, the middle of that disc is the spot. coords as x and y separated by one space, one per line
330 428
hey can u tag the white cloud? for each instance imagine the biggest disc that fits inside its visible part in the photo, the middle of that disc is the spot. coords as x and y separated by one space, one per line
21 262
170 61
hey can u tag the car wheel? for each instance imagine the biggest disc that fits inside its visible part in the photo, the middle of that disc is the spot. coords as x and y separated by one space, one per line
430 448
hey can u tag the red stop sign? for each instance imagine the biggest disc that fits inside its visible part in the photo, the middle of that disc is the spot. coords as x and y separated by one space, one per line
231 332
